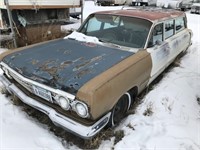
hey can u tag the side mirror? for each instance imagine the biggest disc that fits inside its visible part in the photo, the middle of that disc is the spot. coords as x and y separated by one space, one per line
158 42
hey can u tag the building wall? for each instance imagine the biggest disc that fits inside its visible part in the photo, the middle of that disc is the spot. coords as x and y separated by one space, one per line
39 4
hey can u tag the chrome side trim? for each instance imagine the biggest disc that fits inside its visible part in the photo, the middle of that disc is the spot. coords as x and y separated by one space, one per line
57 118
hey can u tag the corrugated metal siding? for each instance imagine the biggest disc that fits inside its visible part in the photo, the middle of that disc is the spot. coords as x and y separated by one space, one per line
41 3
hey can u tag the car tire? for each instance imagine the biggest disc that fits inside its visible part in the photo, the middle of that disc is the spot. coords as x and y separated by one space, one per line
120 109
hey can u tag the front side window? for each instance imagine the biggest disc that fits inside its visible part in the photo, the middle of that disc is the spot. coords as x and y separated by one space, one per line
157 35
120 30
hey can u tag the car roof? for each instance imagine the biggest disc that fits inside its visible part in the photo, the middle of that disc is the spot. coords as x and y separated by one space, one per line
151 14
196 4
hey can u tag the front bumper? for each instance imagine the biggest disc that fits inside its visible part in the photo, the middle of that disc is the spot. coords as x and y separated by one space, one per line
57 118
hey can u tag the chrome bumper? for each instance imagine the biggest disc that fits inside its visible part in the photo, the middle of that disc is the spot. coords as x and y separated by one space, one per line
58 119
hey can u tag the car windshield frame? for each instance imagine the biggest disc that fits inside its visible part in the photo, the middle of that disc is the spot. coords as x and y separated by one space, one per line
120 30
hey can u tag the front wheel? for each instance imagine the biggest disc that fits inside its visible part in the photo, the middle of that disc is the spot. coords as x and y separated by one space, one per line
119 110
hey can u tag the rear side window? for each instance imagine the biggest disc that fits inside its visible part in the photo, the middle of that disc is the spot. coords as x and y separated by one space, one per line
169 29
180 24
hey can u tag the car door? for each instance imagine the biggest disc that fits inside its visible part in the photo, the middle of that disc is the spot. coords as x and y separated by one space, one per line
159 51
167 41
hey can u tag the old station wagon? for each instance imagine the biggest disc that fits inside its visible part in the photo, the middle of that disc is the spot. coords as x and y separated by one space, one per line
90 78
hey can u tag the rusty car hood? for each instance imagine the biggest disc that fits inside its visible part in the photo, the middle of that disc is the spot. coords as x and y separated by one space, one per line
64 64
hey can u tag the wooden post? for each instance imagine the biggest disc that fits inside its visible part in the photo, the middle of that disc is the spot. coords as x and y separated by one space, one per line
11 23
82 7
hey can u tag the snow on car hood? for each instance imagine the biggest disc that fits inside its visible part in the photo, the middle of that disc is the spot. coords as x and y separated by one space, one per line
83 38
90 39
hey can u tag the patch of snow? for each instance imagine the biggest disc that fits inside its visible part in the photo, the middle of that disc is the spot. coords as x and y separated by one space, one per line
3 50
74 25
82 37
70 27
19 131
175 121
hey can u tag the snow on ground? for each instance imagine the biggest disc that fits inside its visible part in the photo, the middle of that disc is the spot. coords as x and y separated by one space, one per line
173 122
19 131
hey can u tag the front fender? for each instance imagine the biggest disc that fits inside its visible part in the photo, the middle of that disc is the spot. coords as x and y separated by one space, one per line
102 92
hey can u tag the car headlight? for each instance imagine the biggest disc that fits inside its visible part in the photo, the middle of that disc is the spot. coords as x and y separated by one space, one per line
81 109
64 103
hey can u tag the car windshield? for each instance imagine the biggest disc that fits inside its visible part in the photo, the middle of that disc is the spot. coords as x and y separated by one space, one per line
120 30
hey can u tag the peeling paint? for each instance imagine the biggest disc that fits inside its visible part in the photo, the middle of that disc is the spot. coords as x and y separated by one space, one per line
90 44
82 73
66 69
34 62
14 56
65 63
78 67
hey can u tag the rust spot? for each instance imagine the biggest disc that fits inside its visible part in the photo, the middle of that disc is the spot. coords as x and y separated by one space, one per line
79 59
52 68
82 73
15 55
34 62
49 67
67 52
90 44
65 64
148 13
64 51
96 58
78 67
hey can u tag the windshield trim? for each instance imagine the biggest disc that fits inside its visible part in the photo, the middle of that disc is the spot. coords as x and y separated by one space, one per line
140 33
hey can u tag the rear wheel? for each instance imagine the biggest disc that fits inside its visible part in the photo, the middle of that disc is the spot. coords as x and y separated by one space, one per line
119 110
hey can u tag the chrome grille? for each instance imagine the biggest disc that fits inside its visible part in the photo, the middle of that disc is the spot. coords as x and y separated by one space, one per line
29 84
21 82
45 94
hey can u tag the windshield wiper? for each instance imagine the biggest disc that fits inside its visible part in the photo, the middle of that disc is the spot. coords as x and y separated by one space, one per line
108 42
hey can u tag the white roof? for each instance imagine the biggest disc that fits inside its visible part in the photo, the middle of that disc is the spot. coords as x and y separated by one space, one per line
196 4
